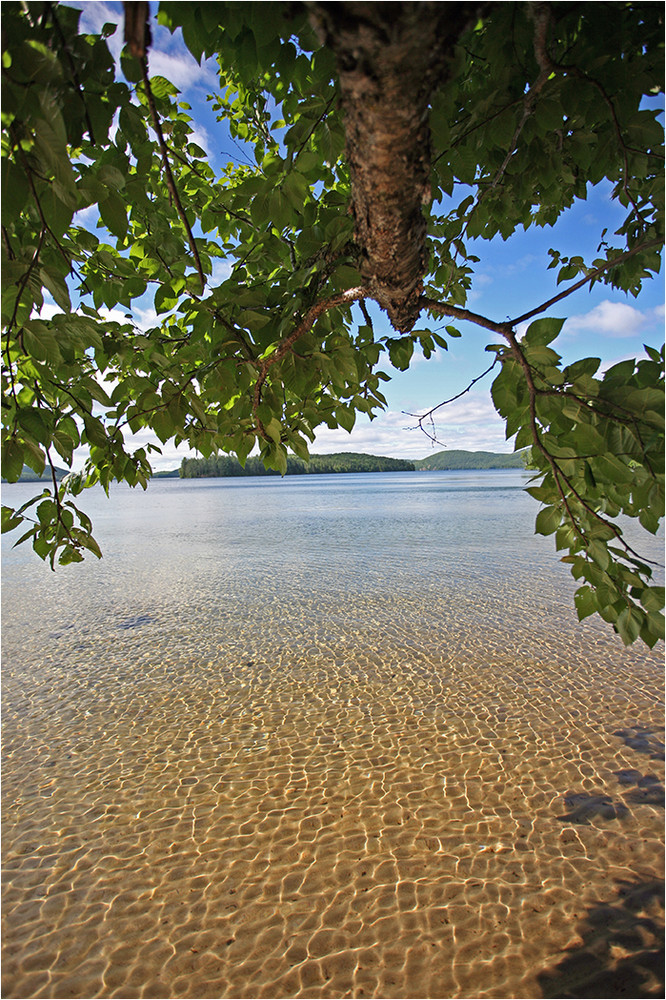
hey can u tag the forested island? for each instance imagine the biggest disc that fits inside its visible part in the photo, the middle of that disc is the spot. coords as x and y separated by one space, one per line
227 465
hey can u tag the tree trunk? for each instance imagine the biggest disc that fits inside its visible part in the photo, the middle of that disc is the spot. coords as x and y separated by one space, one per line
391 57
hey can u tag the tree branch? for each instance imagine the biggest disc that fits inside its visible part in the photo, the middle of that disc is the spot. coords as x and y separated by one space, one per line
170 182
592 276
561 479
246 350
443 309
306 324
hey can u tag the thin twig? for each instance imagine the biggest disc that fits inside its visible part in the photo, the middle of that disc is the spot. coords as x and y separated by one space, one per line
310 133
428 415
10 252
40 211
246 350
24 281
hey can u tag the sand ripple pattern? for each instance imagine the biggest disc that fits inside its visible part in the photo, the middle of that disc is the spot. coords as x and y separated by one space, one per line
369 757
388 814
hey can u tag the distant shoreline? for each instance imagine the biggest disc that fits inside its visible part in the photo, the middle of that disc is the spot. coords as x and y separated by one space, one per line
336 463
224 466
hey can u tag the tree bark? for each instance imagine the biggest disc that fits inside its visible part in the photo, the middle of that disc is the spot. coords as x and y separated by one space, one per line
391 57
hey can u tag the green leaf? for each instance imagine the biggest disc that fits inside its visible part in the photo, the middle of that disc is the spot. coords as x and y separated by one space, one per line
55 283
34 424
10 519
12 459
114 215
599 552
15 181
548 520
346 417
400 352
542 331
41 343
586 602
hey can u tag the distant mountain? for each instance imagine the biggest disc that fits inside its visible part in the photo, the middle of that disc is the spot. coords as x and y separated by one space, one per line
442 460
29 476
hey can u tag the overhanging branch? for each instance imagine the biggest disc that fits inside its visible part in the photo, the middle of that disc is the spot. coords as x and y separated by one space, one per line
306 324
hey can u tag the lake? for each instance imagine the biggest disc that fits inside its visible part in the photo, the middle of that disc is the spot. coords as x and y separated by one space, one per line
324 736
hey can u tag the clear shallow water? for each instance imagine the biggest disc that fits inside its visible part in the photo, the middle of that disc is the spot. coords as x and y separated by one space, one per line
332 736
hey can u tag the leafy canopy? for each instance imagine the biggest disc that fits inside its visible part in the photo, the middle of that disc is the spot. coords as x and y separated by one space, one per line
253 271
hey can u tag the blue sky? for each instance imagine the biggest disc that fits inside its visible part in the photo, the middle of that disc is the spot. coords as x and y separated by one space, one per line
511 278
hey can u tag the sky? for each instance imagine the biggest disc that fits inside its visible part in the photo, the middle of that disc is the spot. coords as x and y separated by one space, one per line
511 278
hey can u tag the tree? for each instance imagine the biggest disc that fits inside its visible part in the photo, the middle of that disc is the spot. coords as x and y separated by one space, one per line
377 159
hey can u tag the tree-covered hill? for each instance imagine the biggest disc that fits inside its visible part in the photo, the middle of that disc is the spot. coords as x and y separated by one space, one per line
442 460
228 465
28 475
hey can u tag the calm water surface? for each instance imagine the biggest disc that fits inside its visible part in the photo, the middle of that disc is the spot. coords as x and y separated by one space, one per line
327 736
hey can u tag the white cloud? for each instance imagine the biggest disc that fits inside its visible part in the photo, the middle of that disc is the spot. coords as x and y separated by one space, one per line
144 319
614 319
201 138
221 271
95 15
181 68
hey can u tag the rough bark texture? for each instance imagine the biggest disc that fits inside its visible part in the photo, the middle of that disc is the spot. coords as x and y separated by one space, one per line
391 57
137 28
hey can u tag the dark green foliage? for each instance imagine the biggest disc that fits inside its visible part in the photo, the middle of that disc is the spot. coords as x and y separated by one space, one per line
227 465
599 451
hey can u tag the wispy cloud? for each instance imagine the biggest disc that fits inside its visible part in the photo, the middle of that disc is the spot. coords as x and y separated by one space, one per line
221 271
181 68
201 137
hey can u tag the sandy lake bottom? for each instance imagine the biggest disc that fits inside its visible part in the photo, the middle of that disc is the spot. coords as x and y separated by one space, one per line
389 793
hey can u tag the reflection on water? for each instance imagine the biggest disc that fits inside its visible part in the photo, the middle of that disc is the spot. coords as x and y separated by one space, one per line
324 737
